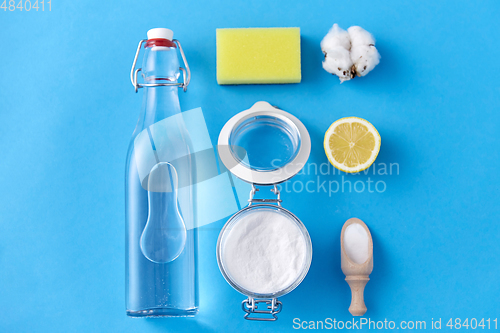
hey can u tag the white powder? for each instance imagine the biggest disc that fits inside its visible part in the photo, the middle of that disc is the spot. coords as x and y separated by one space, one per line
356 243
264 252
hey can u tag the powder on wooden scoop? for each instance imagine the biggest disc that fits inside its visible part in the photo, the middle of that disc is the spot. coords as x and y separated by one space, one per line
356 243
264 252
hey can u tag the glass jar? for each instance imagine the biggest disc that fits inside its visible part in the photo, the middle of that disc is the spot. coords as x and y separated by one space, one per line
264 146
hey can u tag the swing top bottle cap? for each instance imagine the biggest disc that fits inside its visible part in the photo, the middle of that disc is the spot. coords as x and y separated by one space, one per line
160 33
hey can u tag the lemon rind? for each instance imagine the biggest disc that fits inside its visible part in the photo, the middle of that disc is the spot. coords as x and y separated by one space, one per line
363 166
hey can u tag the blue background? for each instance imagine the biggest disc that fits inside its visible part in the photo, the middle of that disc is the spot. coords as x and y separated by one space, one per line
67 110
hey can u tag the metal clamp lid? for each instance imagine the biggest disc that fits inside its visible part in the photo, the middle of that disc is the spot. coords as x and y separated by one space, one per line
186 73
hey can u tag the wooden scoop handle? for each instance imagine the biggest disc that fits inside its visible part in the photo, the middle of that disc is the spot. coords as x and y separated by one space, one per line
357 284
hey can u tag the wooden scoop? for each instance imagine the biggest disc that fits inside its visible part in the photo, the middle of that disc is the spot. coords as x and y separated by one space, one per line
356 274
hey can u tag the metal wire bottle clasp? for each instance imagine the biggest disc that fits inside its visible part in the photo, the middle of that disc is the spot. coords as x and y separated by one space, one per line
186 73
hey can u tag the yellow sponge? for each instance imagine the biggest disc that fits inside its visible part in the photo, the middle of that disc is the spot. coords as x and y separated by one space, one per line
258 55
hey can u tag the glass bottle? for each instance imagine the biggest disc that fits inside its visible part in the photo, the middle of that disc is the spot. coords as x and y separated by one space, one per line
161 253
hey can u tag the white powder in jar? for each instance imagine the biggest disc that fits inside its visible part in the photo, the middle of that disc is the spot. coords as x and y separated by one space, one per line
356 243
264 252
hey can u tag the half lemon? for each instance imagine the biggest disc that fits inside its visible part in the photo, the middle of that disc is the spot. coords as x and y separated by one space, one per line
352 144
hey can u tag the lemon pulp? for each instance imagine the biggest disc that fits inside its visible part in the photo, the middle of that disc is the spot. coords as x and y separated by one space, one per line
352 144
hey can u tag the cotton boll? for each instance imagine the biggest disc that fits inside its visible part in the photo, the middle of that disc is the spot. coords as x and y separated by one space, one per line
349 53
336 37
338 62
365 58
335 46
364 55
360 36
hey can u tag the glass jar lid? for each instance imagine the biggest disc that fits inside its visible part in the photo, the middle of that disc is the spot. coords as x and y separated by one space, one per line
264 145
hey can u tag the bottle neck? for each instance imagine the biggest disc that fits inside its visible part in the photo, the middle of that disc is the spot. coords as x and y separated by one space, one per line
160 65
160 103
